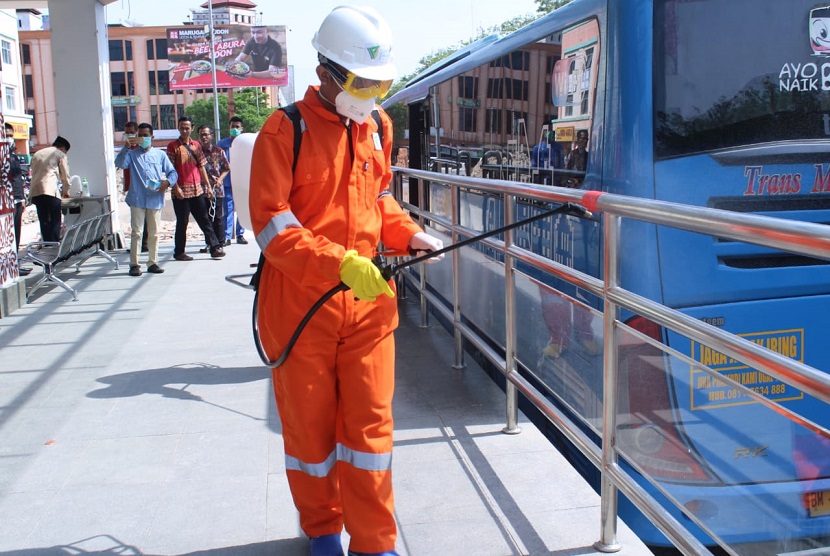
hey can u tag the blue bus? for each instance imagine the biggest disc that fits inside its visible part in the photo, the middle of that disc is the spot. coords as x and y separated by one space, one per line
714 103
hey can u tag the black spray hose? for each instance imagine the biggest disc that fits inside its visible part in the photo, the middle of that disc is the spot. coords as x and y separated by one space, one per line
341 287
389 271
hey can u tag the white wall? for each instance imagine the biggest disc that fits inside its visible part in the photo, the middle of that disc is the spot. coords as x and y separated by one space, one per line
12 77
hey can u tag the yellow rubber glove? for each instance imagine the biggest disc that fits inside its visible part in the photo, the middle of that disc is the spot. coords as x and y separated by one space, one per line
363 277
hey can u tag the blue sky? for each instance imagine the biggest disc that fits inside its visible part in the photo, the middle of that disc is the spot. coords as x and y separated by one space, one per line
419 27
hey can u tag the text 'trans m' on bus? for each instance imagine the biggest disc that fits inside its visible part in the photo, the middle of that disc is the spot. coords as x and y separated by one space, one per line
717 103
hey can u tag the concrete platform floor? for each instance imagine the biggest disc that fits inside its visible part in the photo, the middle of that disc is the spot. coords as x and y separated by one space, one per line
139 420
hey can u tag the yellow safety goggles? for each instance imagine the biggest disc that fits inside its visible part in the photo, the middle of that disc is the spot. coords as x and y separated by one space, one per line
358 87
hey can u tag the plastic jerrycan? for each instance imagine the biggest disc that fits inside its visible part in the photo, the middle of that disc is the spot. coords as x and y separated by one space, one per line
75 186
242 151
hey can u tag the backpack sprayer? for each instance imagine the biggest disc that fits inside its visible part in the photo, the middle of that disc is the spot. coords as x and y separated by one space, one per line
388 271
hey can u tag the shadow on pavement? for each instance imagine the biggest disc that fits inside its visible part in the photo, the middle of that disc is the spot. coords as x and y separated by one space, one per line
106 545
174 383
160 381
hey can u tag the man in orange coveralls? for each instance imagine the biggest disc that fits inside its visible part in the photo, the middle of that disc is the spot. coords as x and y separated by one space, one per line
334 392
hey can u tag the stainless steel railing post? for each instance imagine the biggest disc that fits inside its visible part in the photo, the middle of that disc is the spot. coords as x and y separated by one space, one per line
512 395
422 283
608 491
456 282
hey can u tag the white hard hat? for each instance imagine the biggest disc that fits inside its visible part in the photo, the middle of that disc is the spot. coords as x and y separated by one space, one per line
358 39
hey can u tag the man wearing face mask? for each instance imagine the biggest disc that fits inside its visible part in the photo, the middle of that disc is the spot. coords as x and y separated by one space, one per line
317 227
151 173
235 131
131 132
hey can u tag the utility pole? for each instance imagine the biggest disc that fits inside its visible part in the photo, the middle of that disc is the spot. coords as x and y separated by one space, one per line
216 132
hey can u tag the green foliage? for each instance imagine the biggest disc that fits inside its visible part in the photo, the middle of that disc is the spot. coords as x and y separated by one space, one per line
244 106
547 6
201 112
435 57
510 25
400 121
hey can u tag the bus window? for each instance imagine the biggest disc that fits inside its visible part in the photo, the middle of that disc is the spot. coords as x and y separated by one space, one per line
519 116
719 82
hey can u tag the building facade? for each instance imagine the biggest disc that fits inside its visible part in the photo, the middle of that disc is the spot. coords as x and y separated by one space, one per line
139 80
507 104
13 105
227 12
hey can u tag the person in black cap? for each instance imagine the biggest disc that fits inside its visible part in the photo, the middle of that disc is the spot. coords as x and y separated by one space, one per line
50 166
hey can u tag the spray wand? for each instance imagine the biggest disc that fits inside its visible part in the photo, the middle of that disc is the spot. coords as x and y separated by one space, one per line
390 270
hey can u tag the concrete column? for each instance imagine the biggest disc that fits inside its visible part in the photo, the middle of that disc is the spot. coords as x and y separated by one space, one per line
80 58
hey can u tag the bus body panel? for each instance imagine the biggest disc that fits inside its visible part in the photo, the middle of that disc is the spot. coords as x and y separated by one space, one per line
709 269
745 147
743 440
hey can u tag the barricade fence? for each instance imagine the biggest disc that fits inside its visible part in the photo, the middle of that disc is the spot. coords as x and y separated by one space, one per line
581 406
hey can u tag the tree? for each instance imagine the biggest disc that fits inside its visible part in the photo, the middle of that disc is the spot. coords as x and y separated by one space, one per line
547 6
245 106
201 112
253 112
510 25
400 121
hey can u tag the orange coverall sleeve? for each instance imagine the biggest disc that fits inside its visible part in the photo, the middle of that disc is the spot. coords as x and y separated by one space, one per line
398 227
294 250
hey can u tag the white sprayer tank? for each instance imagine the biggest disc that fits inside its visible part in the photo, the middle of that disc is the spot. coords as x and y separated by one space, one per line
242 151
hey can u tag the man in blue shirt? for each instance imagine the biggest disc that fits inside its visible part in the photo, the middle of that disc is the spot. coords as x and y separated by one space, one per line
235 131
151 174
546 155
539 155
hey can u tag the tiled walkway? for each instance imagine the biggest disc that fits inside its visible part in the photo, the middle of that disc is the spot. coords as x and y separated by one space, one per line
139 420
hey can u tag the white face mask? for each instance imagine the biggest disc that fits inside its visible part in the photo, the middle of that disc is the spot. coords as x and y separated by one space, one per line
353 108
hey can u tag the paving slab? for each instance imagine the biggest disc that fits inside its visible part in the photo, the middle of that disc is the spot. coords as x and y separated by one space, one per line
139 420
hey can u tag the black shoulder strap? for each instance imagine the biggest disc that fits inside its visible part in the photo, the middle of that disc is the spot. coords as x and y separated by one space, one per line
208 163
195 158
293 114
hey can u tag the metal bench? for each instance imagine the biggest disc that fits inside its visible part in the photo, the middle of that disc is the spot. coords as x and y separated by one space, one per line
81 241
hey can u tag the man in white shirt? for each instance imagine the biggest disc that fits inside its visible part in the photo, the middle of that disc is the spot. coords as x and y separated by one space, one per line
50 166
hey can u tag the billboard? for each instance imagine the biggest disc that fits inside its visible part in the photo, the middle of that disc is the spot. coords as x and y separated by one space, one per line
245 57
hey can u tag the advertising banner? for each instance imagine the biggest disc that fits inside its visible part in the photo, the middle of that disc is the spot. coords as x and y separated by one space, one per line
245 57
565 134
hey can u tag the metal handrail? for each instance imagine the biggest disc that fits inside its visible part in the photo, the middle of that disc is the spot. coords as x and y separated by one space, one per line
804 238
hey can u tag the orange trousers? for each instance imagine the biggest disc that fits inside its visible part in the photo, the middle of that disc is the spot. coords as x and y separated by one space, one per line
334 396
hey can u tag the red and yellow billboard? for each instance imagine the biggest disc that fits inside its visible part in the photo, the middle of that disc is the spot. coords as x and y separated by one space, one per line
245 57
